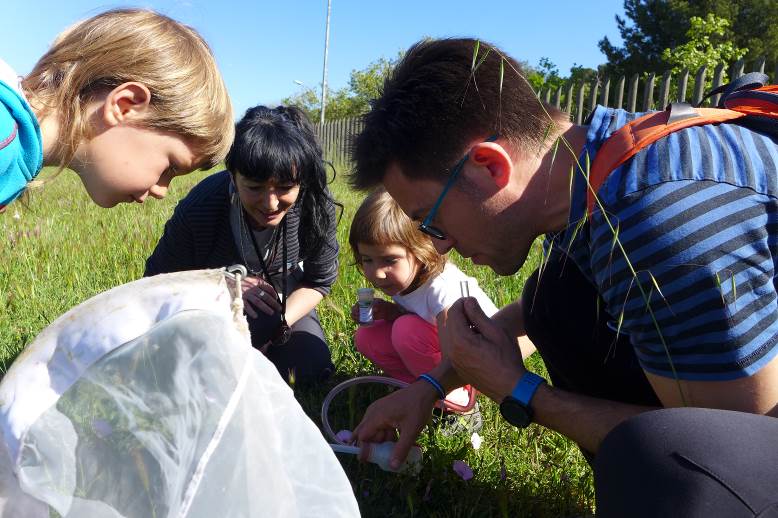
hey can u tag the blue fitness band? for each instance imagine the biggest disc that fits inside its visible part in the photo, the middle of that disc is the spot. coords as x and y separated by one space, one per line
526 387
435 383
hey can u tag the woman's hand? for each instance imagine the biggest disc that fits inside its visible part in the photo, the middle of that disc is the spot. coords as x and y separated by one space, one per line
259 295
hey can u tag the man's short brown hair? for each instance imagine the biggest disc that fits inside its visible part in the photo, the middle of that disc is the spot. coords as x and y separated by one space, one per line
443 95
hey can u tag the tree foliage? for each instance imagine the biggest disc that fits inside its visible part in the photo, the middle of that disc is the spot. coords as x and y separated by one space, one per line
366 84
705 46
350 101
545 75
651 26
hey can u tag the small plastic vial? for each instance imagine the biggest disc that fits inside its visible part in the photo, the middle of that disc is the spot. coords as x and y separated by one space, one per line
365 303
464 288
380 454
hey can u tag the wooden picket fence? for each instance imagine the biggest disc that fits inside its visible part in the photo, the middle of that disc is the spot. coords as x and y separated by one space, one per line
655 91
336 136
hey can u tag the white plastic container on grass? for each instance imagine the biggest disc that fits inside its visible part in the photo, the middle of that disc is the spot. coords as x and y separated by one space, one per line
380 453
149 401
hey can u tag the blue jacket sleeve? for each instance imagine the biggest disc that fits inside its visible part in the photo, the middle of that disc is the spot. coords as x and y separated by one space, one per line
21 146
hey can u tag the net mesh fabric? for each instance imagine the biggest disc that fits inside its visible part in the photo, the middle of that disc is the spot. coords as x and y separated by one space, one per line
184 420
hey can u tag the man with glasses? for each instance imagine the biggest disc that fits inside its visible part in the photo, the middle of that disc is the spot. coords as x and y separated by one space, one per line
670 301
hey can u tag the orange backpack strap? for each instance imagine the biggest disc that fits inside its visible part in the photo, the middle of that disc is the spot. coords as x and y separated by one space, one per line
758 102
625 142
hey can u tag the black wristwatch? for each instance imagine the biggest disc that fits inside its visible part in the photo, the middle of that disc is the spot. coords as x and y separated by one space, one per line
515 408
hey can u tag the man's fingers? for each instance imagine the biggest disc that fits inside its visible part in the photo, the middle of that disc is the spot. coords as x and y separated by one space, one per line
364 451
483 323
401 449
388 435
366 428
458 323
465 318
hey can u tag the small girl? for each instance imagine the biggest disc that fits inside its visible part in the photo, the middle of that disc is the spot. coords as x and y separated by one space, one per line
128 99
402 262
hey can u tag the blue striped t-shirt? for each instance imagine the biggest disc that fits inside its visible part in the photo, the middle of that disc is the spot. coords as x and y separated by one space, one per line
697 215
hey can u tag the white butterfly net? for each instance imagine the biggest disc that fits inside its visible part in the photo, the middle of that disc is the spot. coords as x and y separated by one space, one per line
148 401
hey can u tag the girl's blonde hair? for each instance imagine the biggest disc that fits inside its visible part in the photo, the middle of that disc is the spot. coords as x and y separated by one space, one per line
381 221
188 95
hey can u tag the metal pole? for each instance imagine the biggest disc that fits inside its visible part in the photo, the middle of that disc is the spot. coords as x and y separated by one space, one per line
324 72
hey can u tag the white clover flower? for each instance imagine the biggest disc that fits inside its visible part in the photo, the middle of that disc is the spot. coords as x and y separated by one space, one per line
476 440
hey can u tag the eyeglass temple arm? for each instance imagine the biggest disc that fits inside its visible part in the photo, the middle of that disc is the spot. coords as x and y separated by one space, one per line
457 168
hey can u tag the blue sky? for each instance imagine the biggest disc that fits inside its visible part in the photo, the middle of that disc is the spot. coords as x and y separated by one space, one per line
265 47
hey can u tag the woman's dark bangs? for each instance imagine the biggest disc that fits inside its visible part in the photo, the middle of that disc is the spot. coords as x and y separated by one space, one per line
277 157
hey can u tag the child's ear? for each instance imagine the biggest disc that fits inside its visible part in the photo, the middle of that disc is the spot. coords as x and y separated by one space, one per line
128 102
495 159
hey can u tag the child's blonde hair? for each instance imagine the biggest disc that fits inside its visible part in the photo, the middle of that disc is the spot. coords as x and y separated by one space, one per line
188 95
381 221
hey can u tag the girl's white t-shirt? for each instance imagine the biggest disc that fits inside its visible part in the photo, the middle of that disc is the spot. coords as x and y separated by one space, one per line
440 292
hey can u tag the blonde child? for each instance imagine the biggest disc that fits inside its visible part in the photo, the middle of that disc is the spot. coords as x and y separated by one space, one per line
128 99
402 262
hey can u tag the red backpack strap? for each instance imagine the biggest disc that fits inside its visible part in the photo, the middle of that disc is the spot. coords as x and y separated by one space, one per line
625 142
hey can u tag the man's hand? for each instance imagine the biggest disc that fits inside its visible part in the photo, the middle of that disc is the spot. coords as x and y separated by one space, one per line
259 295
406 410
480 351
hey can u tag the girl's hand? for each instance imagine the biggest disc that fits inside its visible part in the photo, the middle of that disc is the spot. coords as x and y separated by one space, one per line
259 295
355 313
385 310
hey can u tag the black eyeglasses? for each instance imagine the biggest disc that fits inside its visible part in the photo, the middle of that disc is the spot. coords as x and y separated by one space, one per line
425 225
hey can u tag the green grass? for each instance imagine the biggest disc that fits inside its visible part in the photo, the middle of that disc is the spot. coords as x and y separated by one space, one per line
62 250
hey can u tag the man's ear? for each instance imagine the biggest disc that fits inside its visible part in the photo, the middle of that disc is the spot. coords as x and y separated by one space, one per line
495 159
128 102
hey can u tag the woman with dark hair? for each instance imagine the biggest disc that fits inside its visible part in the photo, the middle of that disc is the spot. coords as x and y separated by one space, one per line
271 211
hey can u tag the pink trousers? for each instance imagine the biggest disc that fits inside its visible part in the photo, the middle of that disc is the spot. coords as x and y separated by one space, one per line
403 349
